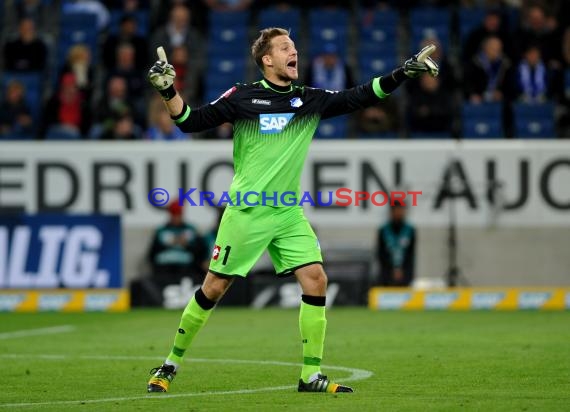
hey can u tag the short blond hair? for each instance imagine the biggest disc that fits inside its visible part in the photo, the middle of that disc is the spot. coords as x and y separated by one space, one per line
262 44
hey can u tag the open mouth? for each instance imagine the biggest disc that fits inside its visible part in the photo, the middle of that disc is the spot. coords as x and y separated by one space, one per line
292 64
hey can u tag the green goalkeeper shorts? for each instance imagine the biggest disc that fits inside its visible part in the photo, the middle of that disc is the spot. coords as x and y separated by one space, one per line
244 234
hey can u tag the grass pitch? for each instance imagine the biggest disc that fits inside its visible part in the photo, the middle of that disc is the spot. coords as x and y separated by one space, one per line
440 361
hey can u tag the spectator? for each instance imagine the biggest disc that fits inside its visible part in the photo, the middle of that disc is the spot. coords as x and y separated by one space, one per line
15 114
27 52
228 5
163 128
430 107
179 32
127 35
487 75
532 77
177 250
78 64
123 128
187 81
329 71
378 120
114 104
396 249
127 69
539 29
67 110
161 11
493 25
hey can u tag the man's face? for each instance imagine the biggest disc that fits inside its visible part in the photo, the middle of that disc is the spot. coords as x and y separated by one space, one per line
398 213
282 59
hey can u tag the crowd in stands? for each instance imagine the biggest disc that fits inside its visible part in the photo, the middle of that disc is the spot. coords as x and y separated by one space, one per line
76 69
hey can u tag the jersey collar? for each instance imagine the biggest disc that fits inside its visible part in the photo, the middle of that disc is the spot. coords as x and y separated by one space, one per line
279 89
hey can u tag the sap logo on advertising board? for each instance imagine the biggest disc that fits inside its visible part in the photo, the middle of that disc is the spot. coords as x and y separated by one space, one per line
440 300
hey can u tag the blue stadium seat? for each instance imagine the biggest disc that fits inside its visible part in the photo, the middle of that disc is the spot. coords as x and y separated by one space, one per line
77 28
534 121
320 36
227 66
328 17
231 41
469 19
482 121
57 132
33 85
373 66
426 22
273 17
328 26
334 128
141 16
216 84
379 27
225 19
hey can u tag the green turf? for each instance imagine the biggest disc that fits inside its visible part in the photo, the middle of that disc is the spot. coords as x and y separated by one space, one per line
440 361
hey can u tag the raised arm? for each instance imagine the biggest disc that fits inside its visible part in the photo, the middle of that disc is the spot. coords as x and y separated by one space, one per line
347 101
161 75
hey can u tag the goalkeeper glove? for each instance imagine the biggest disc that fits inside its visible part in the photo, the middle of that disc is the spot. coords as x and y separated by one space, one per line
161 75
421 63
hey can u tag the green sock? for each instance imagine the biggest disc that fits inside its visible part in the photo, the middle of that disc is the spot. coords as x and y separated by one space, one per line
193 318
313 324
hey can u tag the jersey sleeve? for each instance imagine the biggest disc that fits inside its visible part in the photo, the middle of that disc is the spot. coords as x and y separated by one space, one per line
211 115
336 103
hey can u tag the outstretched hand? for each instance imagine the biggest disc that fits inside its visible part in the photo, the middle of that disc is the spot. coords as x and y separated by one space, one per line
161 75
421 63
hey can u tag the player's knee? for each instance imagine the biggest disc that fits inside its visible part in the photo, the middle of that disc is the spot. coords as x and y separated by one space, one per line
322 279
215 286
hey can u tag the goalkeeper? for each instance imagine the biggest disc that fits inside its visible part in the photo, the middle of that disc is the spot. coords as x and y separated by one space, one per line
274 121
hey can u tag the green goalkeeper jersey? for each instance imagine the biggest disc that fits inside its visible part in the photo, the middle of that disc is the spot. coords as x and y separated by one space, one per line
273 127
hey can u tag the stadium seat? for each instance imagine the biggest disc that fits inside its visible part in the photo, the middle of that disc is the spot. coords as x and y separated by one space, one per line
534 121
373 66
77 28
217 83
320 36
482 121
57 132
379 27
430 23
226 19
227 42
469 19
328 26
334 128
228 66
273 17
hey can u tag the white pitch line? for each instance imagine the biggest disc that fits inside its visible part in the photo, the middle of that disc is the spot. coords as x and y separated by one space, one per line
34 332
356 374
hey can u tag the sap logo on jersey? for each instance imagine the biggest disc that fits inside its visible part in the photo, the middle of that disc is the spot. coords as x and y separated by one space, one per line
273 123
